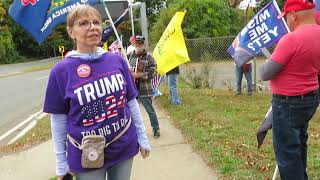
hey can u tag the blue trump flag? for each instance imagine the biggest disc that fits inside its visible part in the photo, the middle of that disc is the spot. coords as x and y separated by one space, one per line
262 31
39 17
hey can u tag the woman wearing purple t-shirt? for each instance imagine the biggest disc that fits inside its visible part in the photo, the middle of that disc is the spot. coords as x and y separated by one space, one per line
91 95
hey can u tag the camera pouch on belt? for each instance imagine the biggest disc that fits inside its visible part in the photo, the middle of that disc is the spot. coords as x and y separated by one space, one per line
92 147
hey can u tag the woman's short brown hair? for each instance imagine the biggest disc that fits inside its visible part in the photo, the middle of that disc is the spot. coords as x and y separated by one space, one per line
80 11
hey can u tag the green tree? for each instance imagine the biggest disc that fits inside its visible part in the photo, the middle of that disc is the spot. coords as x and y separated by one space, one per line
153 8
264 2
28 47
233 3
205 18
7 48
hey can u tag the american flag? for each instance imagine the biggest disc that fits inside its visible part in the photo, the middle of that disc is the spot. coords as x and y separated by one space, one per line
156 81
121 100
87 122
99 111
96 112
88 113
115 47
93 113
111 111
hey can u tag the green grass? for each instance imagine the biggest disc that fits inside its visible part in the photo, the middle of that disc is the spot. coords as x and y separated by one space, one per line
40 133
32 69
39 68
222 128
55 178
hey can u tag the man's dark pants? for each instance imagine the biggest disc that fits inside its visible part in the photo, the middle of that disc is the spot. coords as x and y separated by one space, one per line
290 124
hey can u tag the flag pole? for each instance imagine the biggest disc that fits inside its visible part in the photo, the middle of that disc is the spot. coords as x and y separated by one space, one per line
282 19
276 172
115 32
131 14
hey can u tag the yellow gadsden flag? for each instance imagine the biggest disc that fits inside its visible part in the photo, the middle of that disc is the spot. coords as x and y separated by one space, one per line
171 49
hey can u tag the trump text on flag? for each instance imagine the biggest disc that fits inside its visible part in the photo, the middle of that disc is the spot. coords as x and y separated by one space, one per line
263 30
57 13
40 17
259 32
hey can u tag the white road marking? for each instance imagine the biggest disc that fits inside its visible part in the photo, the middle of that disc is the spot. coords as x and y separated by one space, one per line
42 77
28 128
41 116
21 124
10 74
23 132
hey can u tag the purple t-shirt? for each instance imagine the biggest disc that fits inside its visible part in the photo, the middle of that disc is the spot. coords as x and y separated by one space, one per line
94 95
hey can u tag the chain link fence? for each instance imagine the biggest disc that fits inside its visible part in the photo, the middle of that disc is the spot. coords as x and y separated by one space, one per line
212 64
209 49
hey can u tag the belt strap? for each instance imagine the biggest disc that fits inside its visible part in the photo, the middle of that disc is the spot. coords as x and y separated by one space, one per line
78 145
310 93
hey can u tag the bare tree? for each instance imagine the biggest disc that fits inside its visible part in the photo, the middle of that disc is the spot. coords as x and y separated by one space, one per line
233 3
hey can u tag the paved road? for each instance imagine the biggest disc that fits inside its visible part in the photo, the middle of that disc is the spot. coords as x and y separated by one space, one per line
21 94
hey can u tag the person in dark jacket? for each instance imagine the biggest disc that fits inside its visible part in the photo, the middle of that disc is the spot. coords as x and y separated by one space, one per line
143 68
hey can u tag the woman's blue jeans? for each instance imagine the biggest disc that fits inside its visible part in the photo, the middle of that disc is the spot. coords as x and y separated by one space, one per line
291 117
120 171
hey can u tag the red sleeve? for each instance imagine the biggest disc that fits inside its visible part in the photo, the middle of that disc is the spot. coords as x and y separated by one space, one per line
284 50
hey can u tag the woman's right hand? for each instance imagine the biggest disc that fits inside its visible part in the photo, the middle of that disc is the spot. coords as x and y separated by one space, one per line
59 177
144 153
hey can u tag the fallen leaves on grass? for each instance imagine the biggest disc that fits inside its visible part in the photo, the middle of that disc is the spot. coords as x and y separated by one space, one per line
264 168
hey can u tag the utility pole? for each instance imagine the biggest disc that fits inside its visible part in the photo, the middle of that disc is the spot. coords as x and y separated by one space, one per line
143 19
144 22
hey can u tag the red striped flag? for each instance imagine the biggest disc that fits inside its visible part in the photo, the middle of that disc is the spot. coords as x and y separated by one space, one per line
156 81
87 122
112 109
115 47
100 118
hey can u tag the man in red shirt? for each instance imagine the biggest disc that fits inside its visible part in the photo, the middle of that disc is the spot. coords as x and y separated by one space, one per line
293 73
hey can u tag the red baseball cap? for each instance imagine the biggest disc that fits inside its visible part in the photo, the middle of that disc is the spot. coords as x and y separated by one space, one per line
132 39
296 5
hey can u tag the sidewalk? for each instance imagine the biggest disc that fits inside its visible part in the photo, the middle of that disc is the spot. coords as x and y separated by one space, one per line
170 159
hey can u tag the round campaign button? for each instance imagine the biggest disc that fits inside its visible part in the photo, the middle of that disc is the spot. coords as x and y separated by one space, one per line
84 70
